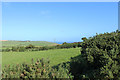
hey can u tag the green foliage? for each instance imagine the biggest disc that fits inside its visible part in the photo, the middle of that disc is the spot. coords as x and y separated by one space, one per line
84 38
6 50
33 48
100 57
64 43
39 69
18 49
70 45
14 49
29 46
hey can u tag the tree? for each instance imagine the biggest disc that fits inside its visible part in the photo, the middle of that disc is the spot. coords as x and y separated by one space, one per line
29 46
64 43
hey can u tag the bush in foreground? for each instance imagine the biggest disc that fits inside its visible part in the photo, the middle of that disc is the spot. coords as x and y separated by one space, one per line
100 57
39 69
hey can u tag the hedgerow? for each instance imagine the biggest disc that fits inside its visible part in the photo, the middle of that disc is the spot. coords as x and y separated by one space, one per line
33 48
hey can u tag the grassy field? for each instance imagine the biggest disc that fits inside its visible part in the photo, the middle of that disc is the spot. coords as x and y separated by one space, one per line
8 44
56 56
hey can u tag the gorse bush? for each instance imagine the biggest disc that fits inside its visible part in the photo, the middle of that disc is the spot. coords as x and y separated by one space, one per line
100 57
39 69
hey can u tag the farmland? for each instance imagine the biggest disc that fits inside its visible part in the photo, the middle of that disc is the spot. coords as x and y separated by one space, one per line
9 44
55 56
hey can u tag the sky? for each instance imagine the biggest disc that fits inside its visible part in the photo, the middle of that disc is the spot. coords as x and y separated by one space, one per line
57 21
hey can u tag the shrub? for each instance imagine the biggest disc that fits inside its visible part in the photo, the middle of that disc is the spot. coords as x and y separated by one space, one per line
5 50
84 38
30 46
14 49
39 69
100 57
64 43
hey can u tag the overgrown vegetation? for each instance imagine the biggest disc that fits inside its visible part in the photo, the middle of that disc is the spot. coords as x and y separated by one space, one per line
100 57
39 69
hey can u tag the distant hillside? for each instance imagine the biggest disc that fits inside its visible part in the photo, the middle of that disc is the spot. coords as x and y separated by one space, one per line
7 43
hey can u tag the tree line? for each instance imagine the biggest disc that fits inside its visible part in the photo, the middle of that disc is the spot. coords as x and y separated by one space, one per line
34 48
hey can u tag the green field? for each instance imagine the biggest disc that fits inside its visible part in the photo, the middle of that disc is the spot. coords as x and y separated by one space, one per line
56 56
8 44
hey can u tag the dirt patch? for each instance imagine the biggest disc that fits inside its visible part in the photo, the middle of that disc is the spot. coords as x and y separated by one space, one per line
3 40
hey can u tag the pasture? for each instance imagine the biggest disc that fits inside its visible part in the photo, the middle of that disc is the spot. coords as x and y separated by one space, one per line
56 56
9 44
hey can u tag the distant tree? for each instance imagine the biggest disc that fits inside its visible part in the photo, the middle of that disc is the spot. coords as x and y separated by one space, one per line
22 49
30 46
14 48
7 49
64 43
